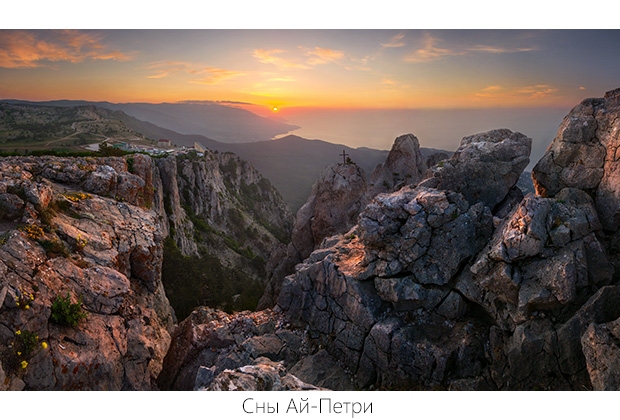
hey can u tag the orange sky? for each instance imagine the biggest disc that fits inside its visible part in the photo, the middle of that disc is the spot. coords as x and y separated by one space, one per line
312 68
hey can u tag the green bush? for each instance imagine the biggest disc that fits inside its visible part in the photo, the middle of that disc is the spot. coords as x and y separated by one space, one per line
66 313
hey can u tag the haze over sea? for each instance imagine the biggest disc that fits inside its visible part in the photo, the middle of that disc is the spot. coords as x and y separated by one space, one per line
435 128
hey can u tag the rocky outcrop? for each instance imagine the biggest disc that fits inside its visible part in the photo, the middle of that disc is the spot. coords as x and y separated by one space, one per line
484 168
338 197
82 229
262 375
461 282
404 165
333 207
210 343
583 155
387 288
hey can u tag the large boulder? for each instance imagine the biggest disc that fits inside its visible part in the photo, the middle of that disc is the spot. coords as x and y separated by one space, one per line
404 165
584 155
484 167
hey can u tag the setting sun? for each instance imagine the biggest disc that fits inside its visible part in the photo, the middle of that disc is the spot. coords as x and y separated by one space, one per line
274 109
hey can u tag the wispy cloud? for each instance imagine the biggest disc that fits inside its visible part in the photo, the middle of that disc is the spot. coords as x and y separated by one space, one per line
32 49
395 42
309 57
206 75
430 51
491 49
274 57
165 68
319 55
582 88
531 92
214 75
388 82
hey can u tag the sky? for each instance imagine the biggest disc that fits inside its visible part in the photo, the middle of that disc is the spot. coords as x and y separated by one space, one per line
296 69
337 81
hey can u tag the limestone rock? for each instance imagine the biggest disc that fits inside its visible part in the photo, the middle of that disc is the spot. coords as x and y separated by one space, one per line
404 165
88 246
263 375
542 257
212 340
484 168
602 353
582 155
320 369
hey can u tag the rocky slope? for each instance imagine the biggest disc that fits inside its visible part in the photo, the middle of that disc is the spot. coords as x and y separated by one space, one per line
82 229
222 210
93 229
460 282
337 198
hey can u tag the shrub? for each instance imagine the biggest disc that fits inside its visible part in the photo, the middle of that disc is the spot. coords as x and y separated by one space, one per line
27 341
54 247
66 313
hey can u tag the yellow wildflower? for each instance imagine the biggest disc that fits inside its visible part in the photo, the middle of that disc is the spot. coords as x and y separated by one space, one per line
44 345
31 296
18 332
24 364
19 353
27 307
17 303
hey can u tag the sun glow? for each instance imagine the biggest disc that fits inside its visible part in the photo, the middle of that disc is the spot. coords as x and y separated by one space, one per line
275 109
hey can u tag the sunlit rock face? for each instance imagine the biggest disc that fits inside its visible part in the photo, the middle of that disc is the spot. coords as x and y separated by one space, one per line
340 194
83 228
387 287
584 155
333 207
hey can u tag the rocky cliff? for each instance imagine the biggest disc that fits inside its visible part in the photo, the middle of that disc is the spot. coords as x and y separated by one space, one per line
86 236
338 197
460 281
78 236
457 281
225 219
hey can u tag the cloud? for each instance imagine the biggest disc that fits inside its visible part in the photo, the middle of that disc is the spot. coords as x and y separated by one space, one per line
582 88
430 52
214 75
166 68
310 58
206 75
388 82
32 49
274 57
395 42
323 55
496 49
531 92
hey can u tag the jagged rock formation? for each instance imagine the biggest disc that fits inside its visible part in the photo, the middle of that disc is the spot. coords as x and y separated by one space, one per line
333 207
337 198
583 156
85 229
404 165
220 208
209 342
387 288
463 283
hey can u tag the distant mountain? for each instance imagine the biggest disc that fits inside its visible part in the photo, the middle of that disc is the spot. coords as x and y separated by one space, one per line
291 163
223 123
29 126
